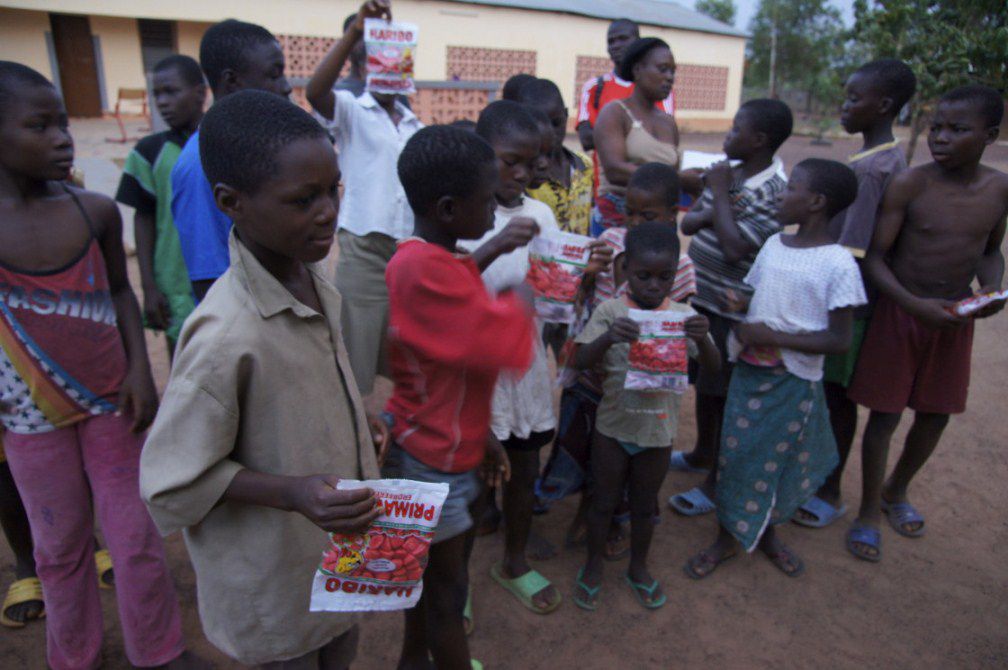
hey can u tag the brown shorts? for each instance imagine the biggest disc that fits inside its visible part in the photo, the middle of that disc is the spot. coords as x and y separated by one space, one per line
904 363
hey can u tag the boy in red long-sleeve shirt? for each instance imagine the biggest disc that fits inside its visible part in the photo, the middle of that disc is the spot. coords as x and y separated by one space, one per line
448 340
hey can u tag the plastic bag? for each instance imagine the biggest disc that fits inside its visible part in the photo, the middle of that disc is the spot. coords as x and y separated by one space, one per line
973 305
381 569
658 359
557 261
391 49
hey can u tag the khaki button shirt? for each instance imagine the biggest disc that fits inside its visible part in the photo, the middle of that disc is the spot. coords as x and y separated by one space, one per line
259 381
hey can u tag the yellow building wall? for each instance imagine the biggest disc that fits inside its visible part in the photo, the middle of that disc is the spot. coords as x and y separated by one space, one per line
558 38
121 60
188 35
22 39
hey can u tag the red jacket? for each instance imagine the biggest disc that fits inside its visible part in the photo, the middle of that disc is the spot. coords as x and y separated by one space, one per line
448 339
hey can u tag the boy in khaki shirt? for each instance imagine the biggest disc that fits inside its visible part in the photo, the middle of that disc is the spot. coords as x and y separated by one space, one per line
261 416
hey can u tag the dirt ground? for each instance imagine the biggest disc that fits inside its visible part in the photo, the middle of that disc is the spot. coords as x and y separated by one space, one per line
936 602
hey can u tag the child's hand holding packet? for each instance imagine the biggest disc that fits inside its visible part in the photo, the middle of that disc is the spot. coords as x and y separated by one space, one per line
557 261
658 358
382 567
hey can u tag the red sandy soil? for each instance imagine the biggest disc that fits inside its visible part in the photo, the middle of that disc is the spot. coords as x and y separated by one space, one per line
936 602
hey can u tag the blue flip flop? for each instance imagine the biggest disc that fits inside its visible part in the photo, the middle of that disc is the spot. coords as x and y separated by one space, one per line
678 463
868 536
692 503
902 513
824 513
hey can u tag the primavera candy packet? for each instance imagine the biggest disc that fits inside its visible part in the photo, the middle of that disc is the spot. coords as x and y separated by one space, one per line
381 569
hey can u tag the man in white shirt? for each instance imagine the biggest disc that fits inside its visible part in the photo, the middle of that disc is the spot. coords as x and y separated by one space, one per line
370 132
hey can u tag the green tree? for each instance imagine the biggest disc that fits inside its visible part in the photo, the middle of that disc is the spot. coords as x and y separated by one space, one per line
795 44
947 43
722 10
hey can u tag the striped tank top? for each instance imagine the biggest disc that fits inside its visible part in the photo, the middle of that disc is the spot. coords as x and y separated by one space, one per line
61 356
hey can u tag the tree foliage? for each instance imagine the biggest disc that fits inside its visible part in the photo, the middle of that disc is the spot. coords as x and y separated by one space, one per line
722 10
811 40
947 43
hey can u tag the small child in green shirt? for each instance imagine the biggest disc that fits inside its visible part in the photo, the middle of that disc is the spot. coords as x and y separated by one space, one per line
634 430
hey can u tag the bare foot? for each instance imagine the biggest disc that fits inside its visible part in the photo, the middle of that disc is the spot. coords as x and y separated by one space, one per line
707 561
783 558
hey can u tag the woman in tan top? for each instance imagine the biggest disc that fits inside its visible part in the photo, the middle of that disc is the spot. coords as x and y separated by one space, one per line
635 130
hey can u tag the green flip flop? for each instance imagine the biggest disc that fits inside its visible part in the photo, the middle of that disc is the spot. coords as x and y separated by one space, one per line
476 665
525 587
637 588
592 592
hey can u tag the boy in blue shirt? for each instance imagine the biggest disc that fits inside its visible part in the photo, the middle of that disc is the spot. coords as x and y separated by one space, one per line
234 56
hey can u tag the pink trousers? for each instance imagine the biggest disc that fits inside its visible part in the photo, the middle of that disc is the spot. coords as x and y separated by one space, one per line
60 475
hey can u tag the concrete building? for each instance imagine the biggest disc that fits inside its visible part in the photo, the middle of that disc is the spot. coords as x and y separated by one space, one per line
95 48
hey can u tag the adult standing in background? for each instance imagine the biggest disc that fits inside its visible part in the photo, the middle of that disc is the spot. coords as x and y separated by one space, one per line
633 131
597 93
370 131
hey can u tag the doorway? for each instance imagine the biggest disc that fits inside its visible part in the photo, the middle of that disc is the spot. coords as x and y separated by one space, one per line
78 67
157 41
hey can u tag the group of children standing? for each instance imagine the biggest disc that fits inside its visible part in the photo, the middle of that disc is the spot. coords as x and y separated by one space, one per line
262 415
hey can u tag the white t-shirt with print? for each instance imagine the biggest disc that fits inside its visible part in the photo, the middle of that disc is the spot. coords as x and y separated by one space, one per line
795 290
521 405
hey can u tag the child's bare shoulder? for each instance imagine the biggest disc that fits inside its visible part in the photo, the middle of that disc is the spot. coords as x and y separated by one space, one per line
100 208
993 179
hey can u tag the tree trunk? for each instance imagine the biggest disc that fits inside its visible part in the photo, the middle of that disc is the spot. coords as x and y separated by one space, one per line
916 128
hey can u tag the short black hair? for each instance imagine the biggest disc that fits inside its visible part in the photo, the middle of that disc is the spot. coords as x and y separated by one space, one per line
225 45
771 117
624 22
650 237
832 179
505 117
513 86
539 117
464 124
657 178
987 100
440 161
349 20
242 133
539 92
186 66
894 78
14 76
636 52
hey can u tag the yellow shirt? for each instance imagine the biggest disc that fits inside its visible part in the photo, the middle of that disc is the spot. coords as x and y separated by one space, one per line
259 381
571 205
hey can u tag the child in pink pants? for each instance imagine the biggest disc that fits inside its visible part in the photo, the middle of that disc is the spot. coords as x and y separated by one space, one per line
76 391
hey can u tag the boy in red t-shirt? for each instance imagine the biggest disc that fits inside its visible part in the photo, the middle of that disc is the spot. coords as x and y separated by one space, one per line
448 339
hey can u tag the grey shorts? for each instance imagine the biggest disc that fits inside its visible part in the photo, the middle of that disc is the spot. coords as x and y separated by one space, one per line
463 489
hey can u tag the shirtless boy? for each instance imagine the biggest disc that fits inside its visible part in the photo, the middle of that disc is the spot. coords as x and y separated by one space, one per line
941 225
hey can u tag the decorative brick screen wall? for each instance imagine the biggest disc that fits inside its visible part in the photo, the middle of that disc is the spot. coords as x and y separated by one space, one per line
302 55
478 64
589 67
697 87
444 105
701 87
